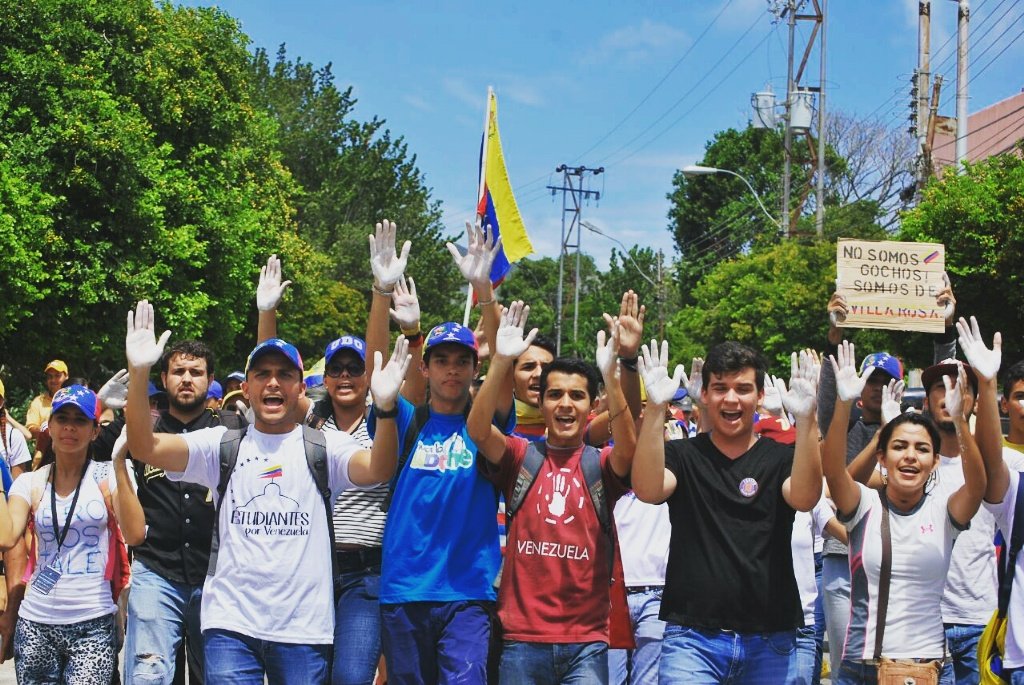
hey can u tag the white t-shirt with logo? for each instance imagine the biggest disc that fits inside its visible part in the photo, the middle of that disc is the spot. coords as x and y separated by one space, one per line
82 593
644 531
972 584
15 452
273 580
807 529
1003 512
922 545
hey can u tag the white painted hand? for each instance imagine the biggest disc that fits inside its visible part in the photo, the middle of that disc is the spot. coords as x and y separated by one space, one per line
270 289
607 353
892 396
946 300
695 381
114 393
801 398
120 449
405 305
385 263
653 370
955 394
984 361
510 341
849 384
386 382
141 347
482 248
774 390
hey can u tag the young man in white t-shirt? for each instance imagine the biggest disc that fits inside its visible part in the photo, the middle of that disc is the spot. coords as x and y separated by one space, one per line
267 612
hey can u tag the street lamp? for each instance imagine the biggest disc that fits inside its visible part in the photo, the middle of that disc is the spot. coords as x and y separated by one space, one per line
692 170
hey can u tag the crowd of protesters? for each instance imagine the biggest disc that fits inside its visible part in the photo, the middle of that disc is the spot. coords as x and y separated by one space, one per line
463 506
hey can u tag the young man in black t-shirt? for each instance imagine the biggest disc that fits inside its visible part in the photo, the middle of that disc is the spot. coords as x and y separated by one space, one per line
731 600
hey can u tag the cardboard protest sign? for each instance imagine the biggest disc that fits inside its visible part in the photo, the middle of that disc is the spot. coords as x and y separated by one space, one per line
891 285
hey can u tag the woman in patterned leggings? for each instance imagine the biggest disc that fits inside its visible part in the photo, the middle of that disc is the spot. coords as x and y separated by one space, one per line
66 630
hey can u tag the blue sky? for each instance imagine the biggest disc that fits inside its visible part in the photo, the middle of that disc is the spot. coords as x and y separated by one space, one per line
569 76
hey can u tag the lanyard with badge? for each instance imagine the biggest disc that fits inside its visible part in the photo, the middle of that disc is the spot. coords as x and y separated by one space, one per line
48 577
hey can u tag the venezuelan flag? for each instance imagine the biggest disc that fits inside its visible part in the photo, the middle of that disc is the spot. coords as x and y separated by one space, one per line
272 472
496 205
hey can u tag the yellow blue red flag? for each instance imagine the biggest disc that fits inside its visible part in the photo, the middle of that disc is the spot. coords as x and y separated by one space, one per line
496 205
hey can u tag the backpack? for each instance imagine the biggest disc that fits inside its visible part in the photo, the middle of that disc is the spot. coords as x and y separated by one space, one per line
412 433
620 628
119 568
322 410
992 644
316 459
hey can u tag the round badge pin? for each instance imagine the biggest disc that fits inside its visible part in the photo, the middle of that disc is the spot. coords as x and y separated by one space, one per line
748 487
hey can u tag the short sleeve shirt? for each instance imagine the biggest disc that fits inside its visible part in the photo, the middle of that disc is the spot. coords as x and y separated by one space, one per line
730 563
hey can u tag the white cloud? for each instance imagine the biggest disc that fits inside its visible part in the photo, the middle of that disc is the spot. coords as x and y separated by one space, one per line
417 102
636 43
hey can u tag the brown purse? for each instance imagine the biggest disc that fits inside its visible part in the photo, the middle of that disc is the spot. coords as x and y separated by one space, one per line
896 671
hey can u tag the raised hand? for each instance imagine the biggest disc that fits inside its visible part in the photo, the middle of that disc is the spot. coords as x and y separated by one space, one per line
482 248
386 382
510 340
270 289
946 300
120 449
955 404
607 353
387 265
801 398
892 396
114 393
653 369
140 344
984 361
405 305
631 324
837 309
774 391
849 384
695 381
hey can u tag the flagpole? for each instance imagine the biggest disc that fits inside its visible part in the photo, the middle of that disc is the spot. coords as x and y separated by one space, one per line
479 195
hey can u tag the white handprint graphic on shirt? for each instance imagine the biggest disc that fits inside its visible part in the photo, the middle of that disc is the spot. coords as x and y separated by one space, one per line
557 505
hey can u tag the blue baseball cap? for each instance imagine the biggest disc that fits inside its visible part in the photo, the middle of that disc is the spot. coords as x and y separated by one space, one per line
215 391
274 345
153 390
884 361
78 396
345 342
450 332
236 376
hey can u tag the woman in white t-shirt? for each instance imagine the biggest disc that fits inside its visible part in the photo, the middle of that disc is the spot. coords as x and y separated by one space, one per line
66 631
13 446
924 522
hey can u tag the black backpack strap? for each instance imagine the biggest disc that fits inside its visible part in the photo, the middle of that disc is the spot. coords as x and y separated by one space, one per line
412 432
315 444
1009 565
229 444
532 461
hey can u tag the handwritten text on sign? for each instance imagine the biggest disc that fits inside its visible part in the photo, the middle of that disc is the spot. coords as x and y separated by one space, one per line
891 285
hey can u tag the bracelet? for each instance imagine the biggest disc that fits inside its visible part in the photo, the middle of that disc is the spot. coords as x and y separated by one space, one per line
628 363
383 293
388 414
415 340
412 332
484 303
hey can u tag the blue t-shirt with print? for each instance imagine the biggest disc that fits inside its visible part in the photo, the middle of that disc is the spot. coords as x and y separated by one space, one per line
441 538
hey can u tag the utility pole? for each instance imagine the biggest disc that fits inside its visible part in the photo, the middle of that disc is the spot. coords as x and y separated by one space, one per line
798 115
573 194
962 25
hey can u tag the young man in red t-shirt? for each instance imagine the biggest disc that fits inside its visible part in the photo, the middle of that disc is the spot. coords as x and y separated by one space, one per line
553 601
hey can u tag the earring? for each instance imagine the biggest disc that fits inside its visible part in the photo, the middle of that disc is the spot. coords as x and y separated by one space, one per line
885 478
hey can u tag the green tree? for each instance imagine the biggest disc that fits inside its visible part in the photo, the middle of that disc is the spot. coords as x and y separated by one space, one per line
979 217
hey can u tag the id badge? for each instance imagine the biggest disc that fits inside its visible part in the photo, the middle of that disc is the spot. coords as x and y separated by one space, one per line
46 580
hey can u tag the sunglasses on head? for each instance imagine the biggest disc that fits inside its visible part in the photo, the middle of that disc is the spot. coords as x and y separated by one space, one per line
353 369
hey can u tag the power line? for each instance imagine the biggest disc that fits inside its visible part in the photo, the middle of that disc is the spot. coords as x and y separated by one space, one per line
687 93
658 84
1000 54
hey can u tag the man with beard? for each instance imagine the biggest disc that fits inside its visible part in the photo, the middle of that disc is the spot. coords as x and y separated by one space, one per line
170 566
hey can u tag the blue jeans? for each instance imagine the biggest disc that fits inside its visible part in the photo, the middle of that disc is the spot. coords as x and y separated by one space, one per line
160 613
696 656
535 663
236 659
806 657
819 619
357 628
437 642
835 580
855 673
1017 677
640 666
962 642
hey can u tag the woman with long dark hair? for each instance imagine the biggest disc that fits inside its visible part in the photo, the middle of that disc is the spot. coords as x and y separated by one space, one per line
66 623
